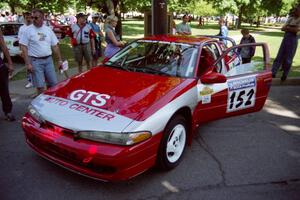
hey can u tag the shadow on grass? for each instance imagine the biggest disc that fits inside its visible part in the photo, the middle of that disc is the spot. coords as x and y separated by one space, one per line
206 26
272 34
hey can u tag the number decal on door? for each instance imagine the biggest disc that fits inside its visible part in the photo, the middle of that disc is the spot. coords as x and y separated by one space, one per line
241 93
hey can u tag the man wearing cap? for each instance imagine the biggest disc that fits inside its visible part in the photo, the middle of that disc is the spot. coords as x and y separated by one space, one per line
97 39
37 44
82 39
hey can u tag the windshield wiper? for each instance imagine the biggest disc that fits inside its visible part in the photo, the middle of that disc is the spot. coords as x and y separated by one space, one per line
116 65
144 69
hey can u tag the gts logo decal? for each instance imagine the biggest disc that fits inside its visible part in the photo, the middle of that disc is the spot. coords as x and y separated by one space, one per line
89 97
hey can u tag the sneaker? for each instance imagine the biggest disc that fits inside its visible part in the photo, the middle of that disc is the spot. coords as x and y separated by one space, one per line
28 85
10 117
283 78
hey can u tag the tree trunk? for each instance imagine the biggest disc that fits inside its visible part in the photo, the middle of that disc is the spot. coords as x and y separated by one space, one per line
113 8
241 11
110 7
258 21
12 8
117 12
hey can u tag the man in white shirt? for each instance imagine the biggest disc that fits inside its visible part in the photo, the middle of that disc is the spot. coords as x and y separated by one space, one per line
22 30
37 44
27 22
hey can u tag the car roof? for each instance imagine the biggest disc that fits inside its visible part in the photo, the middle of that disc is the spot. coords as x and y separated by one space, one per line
180 39
4 23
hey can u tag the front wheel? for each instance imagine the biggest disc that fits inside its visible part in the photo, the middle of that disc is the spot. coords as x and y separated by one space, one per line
173 143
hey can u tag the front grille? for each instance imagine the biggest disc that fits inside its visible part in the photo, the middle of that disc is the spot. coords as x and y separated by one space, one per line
54 150
67 156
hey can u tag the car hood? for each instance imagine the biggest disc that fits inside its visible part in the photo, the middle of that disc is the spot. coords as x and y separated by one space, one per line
119 95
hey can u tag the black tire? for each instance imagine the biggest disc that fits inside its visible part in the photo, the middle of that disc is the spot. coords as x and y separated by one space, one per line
166 159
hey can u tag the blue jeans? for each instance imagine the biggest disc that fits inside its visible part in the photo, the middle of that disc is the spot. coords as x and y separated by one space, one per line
285 54
43 71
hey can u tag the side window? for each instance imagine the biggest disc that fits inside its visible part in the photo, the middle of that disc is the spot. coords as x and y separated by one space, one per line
209 54
245 59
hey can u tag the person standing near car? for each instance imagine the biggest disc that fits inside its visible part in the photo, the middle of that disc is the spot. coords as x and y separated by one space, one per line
184 28
223 30
98 37
113 40
247 52
82 40
5 72
22 30
288 45
37 44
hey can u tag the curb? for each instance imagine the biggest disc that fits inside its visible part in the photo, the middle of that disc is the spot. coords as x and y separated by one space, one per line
288 81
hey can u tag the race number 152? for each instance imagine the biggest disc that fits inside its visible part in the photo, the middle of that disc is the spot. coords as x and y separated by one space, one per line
240 99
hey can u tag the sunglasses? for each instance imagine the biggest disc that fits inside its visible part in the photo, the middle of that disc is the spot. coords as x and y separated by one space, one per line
35 18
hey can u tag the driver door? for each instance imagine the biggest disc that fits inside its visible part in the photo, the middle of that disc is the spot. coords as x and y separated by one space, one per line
231 87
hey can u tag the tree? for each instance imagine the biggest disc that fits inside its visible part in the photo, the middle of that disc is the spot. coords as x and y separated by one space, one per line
14 4
202 8
244 8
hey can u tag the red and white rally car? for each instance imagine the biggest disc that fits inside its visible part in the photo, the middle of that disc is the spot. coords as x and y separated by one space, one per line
144 104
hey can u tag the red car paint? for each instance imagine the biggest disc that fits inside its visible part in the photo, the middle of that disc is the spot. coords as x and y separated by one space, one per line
93 159
131 92
140 98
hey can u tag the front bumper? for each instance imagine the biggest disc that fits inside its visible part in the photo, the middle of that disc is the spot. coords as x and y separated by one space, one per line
97 160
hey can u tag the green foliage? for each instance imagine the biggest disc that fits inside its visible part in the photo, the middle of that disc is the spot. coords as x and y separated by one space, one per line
203 8
130 5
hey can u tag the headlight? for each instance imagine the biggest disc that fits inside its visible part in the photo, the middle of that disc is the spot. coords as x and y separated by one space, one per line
115 138
35 114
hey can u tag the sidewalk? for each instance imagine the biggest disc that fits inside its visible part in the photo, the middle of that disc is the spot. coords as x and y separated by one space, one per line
18 87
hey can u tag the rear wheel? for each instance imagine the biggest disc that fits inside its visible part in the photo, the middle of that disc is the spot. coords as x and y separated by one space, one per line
173 143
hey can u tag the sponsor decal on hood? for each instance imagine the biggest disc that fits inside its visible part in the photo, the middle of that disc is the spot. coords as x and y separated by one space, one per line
77 116
126 93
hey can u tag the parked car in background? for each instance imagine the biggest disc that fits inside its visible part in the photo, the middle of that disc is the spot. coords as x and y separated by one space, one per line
59 28
10 33
143 105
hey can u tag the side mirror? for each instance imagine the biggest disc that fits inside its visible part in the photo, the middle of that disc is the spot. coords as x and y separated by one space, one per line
213 77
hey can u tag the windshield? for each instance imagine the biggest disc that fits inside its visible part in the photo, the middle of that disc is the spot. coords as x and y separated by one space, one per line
157 57
10 29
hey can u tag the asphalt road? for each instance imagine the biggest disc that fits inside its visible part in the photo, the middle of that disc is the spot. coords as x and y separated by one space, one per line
255 157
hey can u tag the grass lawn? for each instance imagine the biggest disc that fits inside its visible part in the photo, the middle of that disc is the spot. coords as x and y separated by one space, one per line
134 29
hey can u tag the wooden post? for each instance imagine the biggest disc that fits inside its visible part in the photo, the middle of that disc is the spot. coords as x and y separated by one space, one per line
159 17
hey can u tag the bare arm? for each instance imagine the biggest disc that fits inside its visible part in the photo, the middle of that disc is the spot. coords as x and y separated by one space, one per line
101 34
56 50
291 29
6 53
25 57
